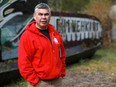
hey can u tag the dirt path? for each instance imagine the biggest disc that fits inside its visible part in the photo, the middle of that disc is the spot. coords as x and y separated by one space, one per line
83 78
78 77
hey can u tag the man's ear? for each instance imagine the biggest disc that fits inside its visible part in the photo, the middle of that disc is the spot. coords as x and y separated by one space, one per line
34 16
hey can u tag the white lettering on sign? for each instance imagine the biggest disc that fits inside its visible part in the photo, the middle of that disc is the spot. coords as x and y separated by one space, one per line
74 28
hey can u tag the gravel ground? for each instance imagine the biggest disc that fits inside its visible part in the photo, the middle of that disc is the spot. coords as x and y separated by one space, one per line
82 77
77 77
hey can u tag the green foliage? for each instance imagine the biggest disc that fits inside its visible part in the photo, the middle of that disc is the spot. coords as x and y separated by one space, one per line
73 5
100 9
68 5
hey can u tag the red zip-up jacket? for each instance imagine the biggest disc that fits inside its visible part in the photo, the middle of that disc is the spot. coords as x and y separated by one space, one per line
40 58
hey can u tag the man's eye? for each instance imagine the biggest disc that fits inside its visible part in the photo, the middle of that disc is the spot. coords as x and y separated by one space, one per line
46 14
40 14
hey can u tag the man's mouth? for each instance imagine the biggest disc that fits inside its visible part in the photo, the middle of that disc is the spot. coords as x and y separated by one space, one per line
44 22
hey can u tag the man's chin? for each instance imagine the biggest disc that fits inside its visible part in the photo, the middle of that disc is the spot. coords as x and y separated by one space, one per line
44 26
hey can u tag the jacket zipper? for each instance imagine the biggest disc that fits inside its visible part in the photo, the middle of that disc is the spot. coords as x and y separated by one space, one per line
52 40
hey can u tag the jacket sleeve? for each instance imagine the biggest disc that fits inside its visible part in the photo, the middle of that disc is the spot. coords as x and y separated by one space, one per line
63 59
25 55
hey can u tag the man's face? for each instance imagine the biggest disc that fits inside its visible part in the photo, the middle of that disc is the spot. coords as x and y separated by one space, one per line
42 18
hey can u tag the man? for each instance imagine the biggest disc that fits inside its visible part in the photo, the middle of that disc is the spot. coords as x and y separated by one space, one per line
41 53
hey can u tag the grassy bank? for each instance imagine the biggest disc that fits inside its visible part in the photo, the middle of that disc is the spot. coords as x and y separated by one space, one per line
103 61
99 71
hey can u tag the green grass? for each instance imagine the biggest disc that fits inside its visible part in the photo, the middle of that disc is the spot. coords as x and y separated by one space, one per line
103 61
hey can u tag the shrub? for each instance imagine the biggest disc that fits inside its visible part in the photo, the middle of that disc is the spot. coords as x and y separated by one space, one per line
100 9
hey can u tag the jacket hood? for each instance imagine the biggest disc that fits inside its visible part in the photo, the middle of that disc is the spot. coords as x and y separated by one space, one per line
32 28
